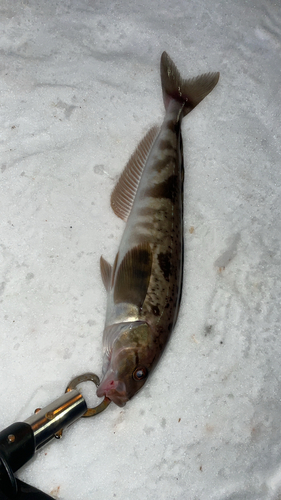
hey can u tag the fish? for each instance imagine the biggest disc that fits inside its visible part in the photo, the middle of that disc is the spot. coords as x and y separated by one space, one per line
144 284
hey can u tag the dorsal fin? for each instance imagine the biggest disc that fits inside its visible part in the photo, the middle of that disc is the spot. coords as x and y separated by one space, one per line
133 276
106 271
123 194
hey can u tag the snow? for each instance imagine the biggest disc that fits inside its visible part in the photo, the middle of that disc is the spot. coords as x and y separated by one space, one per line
80 87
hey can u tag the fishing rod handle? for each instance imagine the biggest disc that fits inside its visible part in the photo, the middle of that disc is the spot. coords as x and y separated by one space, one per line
17 445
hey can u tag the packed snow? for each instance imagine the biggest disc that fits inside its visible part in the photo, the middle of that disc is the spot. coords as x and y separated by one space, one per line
80 87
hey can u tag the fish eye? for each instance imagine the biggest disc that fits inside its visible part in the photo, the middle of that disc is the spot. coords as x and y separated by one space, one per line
139 373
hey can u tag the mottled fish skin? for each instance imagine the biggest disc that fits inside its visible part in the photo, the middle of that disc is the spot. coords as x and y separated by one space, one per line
144 286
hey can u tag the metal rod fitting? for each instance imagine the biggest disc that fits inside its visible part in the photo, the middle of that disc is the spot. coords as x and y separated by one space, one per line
49 422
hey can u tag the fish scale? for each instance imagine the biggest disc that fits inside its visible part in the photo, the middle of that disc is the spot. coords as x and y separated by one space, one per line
162 194
144 285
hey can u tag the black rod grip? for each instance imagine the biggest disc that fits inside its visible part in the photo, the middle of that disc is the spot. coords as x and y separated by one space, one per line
17 444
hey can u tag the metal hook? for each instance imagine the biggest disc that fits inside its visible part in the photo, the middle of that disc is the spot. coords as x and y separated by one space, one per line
91 412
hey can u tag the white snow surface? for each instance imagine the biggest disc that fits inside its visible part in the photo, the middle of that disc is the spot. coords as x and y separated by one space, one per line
80 87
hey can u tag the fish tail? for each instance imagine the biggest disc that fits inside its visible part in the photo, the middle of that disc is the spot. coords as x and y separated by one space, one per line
188 92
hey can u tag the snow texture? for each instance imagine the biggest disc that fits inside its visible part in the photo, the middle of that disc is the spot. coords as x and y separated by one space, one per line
80 87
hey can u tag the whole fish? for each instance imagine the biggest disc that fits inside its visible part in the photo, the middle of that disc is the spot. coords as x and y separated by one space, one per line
144 284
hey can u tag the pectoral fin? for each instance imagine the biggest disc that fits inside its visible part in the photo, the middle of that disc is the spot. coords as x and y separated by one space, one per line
133 276
106 271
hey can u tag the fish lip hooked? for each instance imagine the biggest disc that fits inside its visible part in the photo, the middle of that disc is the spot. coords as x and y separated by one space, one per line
118 399
113 390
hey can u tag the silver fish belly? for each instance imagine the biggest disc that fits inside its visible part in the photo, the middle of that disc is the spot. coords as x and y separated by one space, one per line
144 284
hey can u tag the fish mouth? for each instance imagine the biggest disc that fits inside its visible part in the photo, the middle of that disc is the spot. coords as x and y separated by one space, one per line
113 390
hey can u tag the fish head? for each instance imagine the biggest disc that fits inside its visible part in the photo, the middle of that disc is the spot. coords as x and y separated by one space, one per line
129 364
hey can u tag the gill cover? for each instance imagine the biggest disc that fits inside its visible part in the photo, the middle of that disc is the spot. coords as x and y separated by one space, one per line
129 363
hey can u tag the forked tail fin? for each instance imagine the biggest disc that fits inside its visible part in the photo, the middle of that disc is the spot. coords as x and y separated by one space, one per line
191 91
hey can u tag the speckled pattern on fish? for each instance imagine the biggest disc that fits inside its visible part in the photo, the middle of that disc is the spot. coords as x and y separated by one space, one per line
144 285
